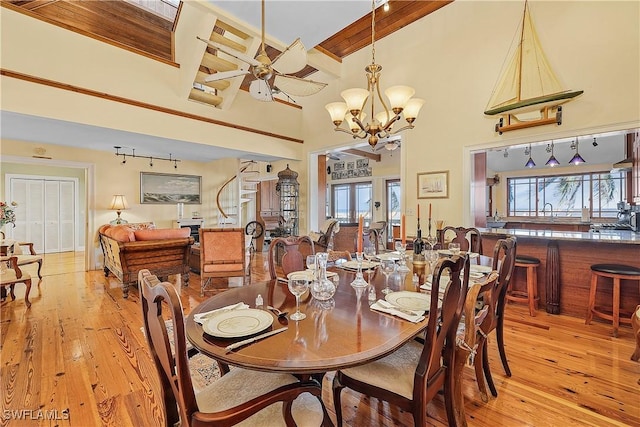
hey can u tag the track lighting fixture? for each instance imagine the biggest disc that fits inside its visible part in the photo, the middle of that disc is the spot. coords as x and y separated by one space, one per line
577 158
151 158
552 160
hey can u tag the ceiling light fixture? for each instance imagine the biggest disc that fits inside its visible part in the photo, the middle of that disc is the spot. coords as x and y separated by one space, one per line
151 158
530 163
552 160
356 100
594 143
577 158
391 145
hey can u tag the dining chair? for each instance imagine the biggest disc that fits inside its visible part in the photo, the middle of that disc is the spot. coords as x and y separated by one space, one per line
380 228
240 397
222 254
469 238
412 375
504 259
289 254
470 333
334 256
27 258
12 274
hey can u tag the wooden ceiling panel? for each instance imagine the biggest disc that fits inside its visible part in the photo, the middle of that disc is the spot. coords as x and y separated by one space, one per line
358 35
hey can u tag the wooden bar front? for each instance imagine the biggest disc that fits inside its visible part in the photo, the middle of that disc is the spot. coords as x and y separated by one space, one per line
565 270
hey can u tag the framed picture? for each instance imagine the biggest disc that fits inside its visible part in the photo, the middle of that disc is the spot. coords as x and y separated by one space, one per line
433 185
164 188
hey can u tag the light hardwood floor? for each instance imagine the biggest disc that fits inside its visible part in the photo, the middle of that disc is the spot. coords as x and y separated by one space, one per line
79 351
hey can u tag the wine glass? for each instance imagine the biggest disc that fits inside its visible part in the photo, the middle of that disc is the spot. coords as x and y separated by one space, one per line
454 248
311 265
298 286
432 258
369 254
431 241
402 249
387 266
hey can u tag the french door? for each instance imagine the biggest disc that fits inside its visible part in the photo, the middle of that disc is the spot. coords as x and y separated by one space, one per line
45 214
350 200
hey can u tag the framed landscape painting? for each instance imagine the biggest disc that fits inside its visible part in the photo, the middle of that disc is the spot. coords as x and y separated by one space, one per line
433 185
164 188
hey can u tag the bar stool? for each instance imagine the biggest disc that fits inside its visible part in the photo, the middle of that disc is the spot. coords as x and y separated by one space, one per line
530 296
615 272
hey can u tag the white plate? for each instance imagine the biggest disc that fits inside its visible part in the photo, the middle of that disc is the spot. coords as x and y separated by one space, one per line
409 300
389 255
353 265
476 275
445 252
473 255
474 268
238 323
308 274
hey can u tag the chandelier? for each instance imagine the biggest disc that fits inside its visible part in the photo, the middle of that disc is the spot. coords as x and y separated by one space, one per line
356 99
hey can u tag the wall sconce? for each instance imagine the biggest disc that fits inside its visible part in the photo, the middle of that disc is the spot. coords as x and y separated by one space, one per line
328 170
118 204
377 205
552 160
577 158
269 168
594 143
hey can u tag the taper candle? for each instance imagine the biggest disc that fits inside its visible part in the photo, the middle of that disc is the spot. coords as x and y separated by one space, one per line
418 210
360 236
403 230
429 211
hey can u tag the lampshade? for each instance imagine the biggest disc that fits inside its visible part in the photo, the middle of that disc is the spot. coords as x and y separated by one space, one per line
552 161
354 98
412 108
577 158
337 111
530 163
119 203
391 145
399 96
352 124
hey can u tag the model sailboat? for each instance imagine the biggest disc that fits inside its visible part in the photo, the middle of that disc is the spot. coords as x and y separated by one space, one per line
528 93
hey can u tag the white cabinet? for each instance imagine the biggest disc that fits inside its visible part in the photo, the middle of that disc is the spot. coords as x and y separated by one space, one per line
193 224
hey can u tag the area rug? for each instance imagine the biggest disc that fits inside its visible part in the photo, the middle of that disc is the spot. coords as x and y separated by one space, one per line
204 370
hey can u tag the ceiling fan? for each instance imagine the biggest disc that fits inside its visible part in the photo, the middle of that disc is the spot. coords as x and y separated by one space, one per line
271 77
390 145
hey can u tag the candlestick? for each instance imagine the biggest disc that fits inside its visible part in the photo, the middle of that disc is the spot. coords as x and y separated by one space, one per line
360 236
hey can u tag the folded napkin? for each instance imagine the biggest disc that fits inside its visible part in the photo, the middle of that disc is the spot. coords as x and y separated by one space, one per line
202 317
386 307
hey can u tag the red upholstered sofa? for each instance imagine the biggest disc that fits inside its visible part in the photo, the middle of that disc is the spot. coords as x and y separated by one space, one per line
128 248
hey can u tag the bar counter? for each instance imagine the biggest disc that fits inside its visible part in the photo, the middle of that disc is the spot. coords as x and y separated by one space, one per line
564 275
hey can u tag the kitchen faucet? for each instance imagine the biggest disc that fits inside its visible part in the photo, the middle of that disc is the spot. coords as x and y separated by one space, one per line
550 209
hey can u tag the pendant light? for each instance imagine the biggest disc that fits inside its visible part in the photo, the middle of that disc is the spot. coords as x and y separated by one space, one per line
577 158
530 163
552 160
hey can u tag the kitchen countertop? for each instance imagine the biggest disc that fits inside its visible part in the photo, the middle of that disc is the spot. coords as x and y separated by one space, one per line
605 236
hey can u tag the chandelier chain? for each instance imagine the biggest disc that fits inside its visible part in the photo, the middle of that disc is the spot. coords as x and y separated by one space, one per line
373 31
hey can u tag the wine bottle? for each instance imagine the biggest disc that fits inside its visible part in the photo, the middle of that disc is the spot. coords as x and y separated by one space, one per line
418 244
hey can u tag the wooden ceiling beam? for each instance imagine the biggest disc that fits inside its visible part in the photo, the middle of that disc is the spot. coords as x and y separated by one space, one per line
361 153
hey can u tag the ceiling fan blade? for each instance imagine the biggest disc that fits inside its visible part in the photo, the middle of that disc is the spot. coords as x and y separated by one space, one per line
260 90
223 75
297 86
292 59
233 53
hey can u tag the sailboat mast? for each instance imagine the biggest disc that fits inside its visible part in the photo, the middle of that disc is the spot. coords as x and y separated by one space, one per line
521 47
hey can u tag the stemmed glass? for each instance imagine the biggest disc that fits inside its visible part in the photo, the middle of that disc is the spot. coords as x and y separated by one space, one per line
431 241
432 258
298 286
359 281
388 266
369 254
402 248
311 265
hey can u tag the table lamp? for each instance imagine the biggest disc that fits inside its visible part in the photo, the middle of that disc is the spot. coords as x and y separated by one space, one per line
118 204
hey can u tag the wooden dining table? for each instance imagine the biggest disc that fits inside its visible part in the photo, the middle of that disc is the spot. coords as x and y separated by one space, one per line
336 334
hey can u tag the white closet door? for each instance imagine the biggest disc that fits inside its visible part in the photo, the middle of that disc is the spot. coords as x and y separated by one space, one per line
29 194
51 216
67 220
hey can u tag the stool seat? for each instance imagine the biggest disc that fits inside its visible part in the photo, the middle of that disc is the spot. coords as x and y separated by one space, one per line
622 270
530 296
525 259
616 272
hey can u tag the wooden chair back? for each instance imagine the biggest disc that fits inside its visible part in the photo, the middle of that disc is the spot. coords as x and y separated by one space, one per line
469 238
504 261
13 275
222 253
288 254
440 338
177 388
346 238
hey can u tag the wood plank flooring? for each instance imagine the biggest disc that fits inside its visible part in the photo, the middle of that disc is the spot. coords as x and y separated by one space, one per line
78 358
